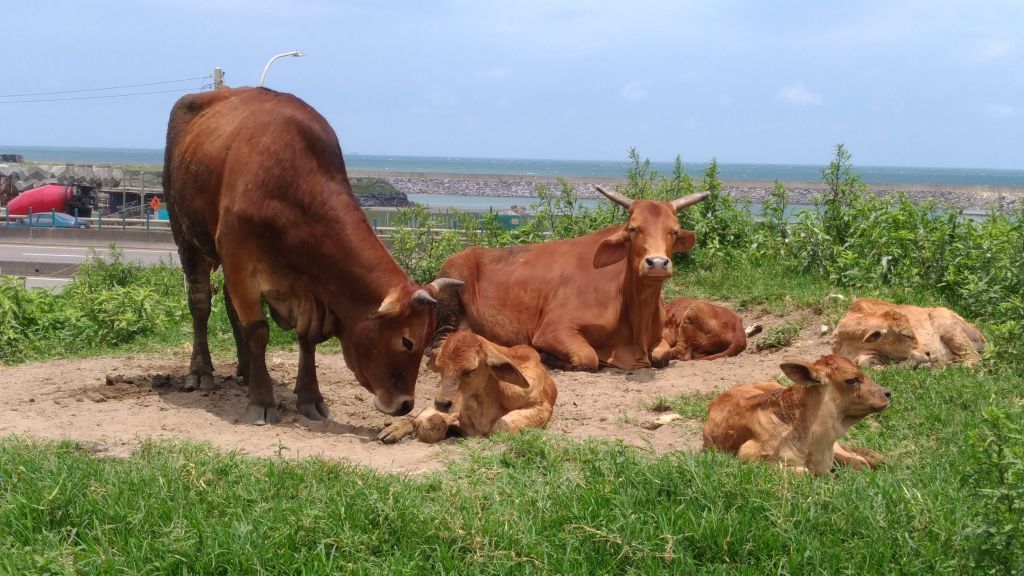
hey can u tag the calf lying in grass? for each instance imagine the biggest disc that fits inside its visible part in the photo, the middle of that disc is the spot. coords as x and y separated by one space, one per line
485 388
798 425
874 332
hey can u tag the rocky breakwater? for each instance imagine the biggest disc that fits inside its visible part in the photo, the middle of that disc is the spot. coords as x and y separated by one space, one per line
967 197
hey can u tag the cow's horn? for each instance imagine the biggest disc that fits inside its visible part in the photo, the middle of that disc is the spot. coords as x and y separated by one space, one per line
618 198
441 284
680 203
422 298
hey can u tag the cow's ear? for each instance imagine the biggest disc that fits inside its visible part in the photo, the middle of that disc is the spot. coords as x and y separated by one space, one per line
800 371
390 307
684 241
874 336
612 249
502 368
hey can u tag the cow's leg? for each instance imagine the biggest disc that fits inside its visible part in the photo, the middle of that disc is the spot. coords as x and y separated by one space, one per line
567 346
241 348
397 430
516 420
432 426
961 346
255 331
197 277
749 451
856 457
310 402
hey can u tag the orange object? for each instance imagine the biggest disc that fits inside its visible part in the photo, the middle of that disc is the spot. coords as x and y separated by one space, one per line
154 203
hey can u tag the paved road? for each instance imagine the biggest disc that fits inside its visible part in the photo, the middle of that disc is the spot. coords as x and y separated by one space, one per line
37 253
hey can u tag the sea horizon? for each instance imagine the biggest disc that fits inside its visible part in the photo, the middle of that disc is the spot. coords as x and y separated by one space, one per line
993 177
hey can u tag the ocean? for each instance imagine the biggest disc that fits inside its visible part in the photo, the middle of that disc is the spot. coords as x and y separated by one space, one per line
565 168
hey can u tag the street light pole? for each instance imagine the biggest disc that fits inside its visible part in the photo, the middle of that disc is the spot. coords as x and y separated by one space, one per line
295 53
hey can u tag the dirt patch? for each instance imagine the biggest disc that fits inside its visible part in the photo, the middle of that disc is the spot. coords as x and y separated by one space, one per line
114 403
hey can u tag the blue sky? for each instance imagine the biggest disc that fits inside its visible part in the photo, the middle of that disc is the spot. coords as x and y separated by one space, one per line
901 83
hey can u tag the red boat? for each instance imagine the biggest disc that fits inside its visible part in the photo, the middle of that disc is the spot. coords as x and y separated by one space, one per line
57 197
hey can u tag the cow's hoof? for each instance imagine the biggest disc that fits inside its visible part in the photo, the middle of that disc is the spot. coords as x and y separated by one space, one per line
396 431
261 415
195 382
314 410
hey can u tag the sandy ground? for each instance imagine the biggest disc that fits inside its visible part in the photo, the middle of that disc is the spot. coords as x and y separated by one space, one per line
115 403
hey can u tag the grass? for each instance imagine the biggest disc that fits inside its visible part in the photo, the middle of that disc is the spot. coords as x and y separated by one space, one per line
780 335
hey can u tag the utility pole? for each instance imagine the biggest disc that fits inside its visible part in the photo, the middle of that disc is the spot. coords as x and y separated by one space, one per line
218 78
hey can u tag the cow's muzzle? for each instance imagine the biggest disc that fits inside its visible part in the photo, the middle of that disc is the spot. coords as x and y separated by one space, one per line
656 266
399 405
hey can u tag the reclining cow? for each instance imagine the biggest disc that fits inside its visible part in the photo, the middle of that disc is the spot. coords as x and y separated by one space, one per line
255 182
874 332
798 426
699 330
485 388
583 302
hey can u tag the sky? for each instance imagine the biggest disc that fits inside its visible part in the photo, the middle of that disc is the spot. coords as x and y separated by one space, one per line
901 83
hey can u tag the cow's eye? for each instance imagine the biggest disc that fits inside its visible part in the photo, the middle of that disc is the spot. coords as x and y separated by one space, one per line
407 344
631 229
852 381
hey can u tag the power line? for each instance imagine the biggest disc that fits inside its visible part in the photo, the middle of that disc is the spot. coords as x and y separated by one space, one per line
101 89
98 97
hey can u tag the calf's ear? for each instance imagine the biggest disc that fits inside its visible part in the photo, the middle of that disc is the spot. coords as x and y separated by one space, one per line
684 241
874 336
800 371
612 249
502 368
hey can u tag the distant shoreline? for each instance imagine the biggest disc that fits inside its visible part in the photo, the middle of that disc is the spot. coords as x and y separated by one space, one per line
969 197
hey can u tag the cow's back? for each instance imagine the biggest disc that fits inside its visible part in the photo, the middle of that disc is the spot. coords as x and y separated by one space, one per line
251 153
510 292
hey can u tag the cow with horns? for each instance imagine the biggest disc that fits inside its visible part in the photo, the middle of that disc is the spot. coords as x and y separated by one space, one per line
582 302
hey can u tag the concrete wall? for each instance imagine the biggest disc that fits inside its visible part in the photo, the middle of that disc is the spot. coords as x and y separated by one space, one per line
90 237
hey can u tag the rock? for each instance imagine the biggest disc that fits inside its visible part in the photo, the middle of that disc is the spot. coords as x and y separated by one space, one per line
660 421
824 330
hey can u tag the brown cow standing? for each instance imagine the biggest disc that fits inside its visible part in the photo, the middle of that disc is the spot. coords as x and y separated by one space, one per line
485 388
875 331
699 330
798 425
255 182
583 302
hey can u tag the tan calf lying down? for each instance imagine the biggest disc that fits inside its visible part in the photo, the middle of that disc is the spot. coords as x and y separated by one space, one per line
798 425
485 388
699 330
874 332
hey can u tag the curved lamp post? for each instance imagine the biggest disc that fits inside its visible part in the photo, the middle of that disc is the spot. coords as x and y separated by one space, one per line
295 53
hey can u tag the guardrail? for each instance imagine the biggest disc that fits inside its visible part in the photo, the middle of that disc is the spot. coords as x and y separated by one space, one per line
381 218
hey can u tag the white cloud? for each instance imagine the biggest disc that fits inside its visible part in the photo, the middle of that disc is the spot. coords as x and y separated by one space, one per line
634 92
999 111
798 95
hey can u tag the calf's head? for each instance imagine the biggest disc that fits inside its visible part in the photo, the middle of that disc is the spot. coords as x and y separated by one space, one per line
385 348
846 388
649 237
468 363
879 335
